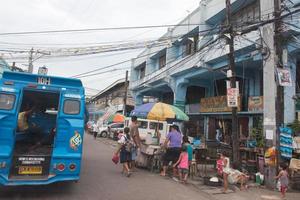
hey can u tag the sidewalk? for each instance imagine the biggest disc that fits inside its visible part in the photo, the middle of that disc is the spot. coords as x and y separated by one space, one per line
253 193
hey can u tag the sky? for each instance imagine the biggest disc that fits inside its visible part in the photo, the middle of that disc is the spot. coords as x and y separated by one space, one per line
43 15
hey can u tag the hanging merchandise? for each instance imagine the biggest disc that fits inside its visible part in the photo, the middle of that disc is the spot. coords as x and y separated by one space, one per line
270 156
296 145
286 143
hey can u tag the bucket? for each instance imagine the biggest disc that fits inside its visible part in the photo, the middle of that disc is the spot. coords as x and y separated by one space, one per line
259 178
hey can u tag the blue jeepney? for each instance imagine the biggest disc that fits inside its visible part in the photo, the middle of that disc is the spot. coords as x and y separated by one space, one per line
41 129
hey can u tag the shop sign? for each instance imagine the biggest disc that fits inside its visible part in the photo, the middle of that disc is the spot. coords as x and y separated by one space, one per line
215 104
284 77
256 103
232 97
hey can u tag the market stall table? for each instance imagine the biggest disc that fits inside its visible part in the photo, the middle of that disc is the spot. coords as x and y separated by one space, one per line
150 157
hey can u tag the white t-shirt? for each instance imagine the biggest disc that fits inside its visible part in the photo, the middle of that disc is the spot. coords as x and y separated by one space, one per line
226 168
122 139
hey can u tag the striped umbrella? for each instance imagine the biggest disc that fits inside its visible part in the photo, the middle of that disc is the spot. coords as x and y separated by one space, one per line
159 111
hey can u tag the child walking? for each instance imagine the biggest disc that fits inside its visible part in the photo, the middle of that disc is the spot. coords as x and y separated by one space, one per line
183 164
283 176
186 142
124 149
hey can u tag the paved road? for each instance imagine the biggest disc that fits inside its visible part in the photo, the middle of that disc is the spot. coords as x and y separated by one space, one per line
101 179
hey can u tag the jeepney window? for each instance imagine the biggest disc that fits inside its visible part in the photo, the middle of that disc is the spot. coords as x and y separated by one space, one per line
7 101
143 124
154 124
71 107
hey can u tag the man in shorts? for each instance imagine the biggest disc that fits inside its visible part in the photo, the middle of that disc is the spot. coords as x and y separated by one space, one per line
135 135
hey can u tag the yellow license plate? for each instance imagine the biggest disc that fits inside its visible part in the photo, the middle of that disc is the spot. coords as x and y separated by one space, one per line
30 170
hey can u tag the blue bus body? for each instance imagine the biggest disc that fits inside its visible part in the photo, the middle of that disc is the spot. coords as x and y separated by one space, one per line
64 103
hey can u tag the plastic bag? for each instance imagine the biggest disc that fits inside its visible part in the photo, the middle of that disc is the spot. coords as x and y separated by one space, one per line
115 158
278 185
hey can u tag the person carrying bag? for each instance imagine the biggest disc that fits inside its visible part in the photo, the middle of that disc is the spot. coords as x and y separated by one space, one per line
124 149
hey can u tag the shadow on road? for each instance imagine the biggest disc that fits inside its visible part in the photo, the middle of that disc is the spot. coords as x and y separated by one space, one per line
38 191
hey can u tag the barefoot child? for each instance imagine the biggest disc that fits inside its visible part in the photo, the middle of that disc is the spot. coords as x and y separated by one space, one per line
226 170
183 164
283 176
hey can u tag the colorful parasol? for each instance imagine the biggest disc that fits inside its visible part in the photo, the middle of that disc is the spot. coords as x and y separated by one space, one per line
159 111
116 118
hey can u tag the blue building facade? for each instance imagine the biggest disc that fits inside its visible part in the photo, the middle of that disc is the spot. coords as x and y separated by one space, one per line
190 71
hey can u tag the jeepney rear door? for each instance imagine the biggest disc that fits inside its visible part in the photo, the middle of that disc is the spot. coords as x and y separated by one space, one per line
9 98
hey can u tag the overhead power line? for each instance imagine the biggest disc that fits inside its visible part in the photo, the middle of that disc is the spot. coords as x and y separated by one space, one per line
92 50
97 29
100 68
88 74
104 72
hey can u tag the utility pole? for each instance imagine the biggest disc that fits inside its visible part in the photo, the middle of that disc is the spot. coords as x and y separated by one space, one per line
230 39
13 67
125 93
273 94
30 61
279 64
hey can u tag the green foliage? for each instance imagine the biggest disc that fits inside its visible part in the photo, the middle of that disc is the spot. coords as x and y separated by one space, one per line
295 126
256 133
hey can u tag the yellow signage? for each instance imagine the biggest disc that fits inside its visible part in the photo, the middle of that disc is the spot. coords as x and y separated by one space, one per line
26 170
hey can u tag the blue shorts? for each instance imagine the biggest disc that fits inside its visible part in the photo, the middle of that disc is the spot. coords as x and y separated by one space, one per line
133 153
125 156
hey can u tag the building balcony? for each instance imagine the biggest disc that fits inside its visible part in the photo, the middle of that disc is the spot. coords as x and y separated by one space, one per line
169 70
213 56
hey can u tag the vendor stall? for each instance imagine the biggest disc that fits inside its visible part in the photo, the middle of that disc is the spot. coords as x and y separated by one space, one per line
295 173
151 153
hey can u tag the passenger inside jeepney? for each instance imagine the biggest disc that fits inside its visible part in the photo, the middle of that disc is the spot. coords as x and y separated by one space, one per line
43 132
37 122
26 124
23 124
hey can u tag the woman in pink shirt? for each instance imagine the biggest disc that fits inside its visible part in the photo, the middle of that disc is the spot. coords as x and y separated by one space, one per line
183 164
